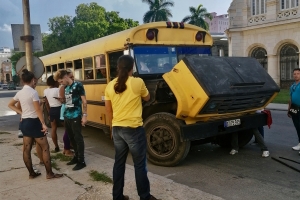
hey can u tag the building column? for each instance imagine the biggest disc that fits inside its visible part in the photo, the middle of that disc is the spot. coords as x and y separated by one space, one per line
221 52
274 68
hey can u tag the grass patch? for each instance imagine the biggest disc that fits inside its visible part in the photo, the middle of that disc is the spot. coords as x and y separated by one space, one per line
61 157
96 176
52 151
54 165
4 133
18 144
282 97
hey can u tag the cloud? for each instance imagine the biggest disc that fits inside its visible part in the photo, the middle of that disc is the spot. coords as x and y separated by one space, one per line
5 28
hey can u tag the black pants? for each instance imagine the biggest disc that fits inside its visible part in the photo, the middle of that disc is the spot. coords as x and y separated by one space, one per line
296 121
73 128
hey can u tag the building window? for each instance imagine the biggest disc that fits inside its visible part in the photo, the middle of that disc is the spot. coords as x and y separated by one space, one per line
258 7
289 60
260 54
287 4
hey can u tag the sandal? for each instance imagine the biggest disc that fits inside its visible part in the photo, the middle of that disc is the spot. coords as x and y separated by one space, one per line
55 176
36 174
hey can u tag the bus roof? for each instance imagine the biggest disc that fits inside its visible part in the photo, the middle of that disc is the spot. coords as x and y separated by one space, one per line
134 36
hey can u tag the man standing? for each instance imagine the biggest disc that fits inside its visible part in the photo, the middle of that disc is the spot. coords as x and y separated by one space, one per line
75 115
123 103
294 105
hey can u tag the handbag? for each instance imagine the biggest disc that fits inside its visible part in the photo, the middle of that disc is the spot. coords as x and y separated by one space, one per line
46 115
294 110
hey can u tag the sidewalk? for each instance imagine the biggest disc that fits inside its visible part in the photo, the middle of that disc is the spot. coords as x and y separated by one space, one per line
277 106
76 184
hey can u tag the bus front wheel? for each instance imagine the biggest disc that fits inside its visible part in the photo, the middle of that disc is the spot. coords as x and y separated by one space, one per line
164 146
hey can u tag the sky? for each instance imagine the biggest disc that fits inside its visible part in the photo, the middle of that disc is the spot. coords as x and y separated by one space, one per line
42 10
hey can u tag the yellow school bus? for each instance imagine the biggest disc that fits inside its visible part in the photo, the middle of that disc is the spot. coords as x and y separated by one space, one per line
171 58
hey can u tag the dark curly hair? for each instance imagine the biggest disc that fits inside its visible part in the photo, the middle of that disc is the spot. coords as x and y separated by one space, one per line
27 76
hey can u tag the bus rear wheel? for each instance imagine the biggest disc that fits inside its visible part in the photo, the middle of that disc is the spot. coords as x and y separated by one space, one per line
244 138
164 146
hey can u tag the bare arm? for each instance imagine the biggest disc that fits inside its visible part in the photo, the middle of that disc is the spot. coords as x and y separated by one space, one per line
61 94
17 108
109 110
84 110
146 98
39 113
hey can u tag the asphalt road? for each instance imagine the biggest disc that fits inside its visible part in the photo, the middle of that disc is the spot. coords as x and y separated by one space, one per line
210 168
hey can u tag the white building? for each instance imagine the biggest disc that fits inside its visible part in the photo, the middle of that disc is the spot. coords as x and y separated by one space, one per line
268 30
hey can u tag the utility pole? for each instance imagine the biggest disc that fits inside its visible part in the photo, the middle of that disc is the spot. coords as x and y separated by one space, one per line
27 38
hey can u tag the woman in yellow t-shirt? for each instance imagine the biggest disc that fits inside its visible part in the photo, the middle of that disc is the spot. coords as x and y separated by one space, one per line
123 102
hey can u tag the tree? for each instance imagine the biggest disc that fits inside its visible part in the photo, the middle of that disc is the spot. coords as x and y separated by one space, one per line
198 16
91 22
158 10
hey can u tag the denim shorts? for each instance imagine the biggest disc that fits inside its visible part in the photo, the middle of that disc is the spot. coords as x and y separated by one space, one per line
31 127
55 114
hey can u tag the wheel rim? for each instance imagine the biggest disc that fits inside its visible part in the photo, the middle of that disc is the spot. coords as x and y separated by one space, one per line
161 141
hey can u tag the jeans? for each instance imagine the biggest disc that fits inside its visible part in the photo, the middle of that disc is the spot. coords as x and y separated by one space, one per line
258 136
262 132
133 140
73 129
296 121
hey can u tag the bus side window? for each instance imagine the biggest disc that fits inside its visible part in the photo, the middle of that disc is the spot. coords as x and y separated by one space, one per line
88 68
61 66
44 76
78 69
48 71
113 59
100 65
54 69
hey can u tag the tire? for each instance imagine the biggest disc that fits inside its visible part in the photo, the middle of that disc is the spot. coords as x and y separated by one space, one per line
244 138
164 147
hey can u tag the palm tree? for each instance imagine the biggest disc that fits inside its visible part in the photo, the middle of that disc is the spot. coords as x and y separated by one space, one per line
159 10
198 16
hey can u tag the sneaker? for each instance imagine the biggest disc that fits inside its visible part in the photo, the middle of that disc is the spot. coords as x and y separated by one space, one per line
233 151
73 161
265 154
79 166
20 134
296 148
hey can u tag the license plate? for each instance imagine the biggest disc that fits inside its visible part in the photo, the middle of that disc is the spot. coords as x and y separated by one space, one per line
234 122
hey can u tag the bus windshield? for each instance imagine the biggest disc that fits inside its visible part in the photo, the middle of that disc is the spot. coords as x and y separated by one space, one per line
161 59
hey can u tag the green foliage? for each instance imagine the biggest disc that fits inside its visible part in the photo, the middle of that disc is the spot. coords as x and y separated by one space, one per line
16 79
197 17
15 57
282 97
158 10
91 22
61 157
96 176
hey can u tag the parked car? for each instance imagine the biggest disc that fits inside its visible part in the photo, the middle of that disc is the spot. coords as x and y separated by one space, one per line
11 86
4 86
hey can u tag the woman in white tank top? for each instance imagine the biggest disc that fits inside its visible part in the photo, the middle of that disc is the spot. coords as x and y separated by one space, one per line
51 95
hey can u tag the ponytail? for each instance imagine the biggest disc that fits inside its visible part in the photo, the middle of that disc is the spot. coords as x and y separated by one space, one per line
125 65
